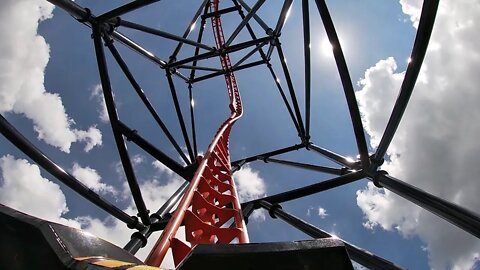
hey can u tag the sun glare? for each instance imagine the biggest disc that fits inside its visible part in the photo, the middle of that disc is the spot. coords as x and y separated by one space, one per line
326 48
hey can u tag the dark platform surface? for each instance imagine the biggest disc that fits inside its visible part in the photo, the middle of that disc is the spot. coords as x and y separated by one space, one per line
27 242
325 253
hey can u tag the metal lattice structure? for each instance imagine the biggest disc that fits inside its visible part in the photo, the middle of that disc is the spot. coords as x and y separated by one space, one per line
207 201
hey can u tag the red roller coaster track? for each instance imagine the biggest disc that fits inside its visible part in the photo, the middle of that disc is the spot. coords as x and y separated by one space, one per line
211 199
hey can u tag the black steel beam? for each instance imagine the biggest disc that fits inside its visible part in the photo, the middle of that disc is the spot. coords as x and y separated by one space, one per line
249 54
139 239
192 76
239 163
425 26
188 30
125 9
132 135
199 39
215 74
244 21
195 67
219 12
164 34
143 52
343 161
280 23
112 114
310 167
181 121
192 120
283 17
457 215
284 98
17 139
312 189
291 89
227 50
257 18
144 98
270 68
306 53
77 12
359 255
84 15
346 82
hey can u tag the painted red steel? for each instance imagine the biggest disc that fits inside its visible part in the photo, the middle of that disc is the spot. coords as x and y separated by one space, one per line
210 203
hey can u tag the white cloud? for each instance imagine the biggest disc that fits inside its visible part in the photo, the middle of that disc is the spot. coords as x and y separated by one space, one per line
137 159
23 188
322 212
436 146
91 179
250 186
155 194
92 137
162 168
23 58
413 8
97 94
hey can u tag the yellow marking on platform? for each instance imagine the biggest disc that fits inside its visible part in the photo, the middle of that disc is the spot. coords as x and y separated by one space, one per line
143 267
111 263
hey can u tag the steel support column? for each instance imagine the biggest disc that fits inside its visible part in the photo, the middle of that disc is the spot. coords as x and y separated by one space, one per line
16 138
239 163
312 189
139 239
357 254
136 4
244 22
425 26
306 53
346 82
144 98
216 74
457 215
291 89
306 166
352 164
112 114
133 136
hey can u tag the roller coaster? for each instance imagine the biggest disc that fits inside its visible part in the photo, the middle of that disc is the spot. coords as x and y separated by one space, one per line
207 204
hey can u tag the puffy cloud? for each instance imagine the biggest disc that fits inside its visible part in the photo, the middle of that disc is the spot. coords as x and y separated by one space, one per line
23 188
436 146
155 192
97 94
91 179
250 186
322 212
92 137
23 58
137 159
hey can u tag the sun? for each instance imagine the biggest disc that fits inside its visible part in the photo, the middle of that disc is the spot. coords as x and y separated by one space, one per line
326 47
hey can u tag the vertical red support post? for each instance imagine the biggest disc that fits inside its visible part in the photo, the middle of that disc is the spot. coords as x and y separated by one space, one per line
211 202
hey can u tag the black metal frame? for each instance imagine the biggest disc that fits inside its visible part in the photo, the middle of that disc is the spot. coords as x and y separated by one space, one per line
105 30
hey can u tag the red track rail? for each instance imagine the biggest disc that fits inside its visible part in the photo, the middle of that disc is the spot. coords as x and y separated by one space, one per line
210 203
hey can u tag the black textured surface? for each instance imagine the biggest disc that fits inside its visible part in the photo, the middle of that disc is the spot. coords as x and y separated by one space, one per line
27 242
325 253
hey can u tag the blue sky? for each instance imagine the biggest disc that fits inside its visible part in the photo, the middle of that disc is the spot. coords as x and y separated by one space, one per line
435 147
